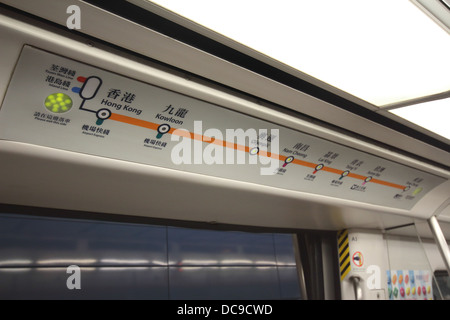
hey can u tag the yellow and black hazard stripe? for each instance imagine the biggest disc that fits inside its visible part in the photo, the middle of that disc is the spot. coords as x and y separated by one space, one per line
344 253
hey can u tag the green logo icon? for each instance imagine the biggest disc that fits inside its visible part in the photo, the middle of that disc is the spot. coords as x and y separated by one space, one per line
58 103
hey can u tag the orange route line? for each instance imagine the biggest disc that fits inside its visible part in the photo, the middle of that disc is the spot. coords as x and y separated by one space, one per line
333 170
134 121
304 163
388 184
356 176
235 146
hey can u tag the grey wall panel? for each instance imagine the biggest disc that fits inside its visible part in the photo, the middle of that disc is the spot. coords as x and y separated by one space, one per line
224 283
96 283
289 283
200 247
284 249
131 261
50 242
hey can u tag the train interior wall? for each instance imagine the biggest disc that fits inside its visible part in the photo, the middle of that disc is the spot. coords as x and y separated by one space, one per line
402 263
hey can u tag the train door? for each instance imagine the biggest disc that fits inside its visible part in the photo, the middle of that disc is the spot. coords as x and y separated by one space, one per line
401 263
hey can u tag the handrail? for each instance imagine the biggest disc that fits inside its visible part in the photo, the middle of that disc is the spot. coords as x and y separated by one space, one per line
440 241
356 280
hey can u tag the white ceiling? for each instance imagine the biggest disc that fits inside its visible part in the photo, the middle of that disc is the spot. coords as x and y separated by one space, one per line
384 52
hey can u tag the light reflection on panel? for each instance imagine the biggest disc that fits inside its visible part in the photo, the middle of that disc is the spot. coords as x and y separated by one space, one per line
224 283
58 242
96 283
194 247
128 261
289 283
284 249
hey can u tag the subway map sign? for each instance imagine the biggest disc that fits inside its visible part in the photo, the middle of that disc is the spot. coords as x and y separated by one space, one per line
61 103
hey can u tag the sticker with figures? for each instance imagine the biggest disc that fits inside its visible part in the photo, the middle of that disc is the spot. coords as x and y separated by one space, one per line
409 285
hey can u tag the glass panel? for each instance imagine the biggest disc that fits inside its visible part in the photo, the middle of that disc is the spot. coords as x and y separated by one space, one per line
57 242
224 283
284 249
95 283
220 248
130 261
221 265
442 283
289 283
